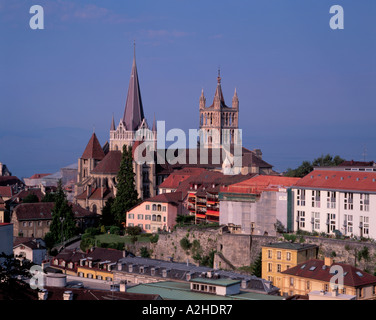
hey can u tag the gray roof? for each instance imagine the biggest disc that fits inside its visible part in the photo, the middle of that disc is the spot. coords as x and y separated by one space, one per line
178 271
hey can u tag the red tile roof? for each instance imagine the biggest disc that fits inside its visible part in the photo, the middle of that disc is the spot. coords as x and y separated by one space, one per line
170 197
110 163
177 177
39 175
6 191
93 149
42 211
339 180
261 183
10 180
313 269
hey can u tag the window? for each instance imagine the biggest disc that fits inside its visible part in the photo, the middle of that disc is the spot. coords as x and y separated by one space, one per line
24 224
331 200
348 201
316 220
147 207
326 287
30 223
130 216
140 217
147 217
164 208
300 197
154 217
147 226
364 226
270 267
141 225
331 222
159 207
348 223
164 219
154 207
308 285
291 281
288 256
301 219
130 224
270 254
316 198
279 255
364 202
279 268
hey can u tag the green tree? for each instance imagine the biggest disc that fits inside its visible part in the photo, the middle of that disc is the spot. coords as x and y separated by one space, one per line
126 193
30 198
49 197
107 217
306 166
256 266
63 226
133 231
10 268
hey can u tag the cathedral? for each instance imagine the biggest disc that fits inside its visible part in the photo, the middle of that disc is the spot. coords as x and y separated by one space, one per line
98 166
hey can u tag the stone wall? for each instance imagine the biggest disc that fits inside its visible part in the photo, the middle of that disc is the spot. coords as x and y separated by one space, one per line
238 250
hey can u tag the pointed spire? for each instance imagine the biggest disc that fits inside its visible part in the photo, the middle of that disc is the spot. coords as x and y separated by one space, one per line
218 92
93 149
235 100
112 123
133 113
154 129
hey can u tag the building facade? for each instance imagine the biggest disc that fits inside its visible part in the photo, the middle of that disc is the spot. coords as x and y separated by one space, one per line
332 201
278 257
330 277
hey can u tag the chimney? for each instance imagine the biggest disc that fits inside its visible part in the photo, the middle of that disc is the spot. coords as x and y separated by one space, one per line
68 295
123 286
328 261
42 295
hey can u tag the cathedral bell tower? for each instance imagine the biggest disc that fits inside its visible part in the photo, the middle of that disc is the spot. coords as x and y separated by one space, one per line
218 122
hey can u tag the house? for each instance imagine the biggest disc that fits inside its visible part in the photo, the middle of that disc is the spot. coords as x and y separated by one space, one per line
6 238
335 201
255 205
98 263
136 270
280 256
330 277
157 213
31 250
67 261
34 219
201 193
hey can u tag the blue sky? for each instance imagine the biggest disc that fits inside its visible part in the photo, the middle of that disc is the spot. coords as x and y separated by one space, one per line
304 89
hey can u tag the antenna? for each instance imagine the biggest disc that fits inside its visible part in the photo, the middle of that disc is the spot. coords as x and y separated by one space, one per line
364 152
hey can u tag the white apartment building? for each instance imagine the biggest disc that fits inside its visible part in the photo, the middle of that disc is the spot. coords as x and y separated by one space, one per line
329 200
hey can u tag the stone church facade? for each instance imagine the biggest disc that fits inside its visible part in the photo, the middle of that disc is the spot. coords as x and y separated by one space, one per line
98 166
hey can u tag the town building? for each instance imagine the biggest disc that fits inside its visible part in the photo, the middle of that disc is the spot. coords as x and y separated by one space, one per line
4 171
335 201
136 270
254 206
280 256
330 277
157 213
31 250
34 219
6 238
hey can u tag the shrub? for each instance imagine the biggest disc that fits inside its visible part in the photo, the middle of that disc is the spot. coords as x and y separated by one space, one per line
114 230
185 243
154 238
144 252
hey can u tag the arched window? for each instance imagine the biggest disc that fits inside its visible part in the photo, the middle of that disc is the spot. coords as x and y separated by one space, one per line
159 218
159 207
154 217
154 208
94 208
